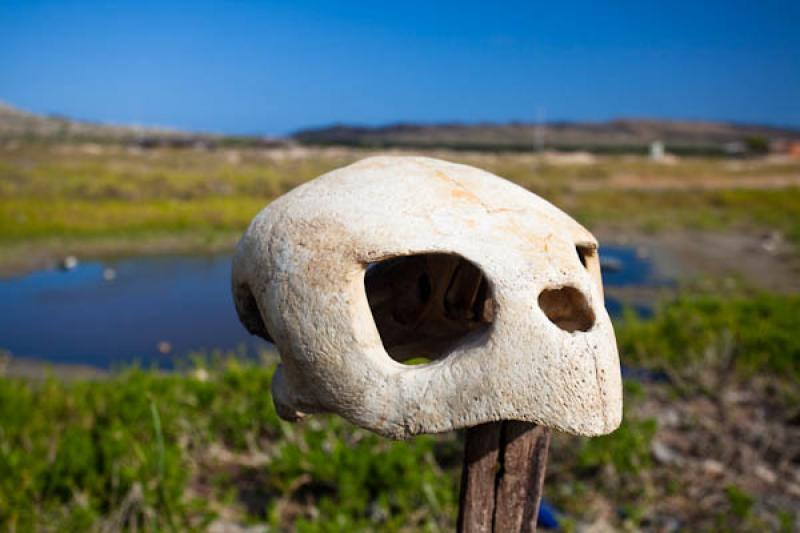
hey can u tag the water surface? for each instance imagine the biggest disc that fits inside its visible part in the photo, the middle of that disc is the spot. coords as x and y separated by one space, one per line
156 308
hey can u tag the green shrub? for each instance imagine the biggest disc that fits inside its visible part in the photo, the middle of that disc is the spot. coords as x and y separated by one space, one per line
170 451
81 452
753 335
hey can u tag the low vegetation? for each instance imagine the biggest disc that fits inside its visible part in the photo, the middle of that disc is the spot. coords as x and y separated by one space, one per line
753 336
78 197
712 422
616 136
181 451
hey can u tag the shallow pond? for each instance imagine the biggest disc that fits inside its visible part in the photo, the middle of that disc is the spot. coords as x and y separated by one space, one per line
152 309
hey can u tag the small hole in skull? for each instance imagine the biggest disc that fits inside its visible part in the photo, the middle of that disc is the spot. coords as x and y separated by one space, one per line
426 305
567 308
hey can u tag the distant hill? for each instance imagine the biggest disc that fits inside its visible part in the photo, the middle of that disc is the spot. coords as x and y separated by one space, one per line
18 123
22 125
612 136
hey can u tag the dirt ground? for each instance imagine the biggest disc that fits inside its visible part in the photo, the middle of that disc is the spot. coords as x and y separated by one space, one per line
706 444
764 260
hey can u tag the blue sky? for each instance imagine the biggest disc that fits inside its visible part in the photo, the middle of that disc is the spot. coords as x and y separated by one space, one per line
273 67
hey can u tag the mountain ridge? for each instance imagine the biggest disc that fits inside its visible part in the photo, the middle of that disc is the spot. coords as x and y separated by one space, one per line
618 134
621 135
16 122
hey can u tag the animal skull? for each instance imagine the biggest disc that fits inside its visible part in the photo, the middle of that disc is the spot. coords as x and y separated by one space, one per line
393 258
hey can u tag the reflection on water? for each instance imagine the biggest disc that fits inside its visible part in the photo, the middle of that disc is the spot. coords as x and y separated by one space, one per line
629 268
632 269
153 308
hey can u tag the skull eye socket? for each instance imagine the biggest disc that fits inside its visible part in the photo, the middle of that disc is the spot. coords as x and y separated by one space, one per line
584 253
567 308
426 305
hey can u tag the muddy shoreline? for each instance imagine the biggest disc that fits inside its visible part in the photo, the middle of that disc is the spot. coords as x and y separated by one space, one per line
23 258
762 260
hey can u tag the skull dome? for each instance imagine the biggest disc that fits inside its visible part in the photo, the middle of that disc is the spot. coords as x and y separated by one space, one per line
397 260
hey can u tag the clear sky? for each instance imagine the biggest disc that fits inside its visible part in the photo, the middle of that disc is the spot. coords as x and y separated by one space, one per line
273 67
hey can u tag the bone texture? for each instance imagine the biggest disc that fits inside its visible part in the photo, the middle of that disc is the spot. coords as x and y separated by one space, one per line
359 271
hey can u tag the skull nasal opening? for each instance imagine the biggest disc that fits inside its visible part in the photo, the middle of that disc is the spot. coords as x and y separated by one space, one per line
426 305
567 308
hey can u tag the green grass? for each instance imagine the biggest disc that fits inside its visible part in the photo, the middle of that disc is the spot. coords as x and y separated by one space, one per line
50 192
32 219
75 192
157 451
177 451
132 449
721 210
750 335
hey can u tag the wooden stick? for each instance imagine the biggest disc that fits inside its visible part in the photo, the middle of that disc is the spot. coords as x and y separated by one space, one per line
503 476
481 451
519 491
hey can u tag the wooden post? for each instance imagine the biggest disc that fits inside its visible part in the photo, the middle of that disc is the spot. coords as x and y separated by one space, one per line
501 484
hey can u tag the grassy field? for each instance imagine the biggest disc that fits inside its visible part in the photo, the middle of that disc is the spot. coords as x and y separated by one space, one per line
712 422
182 451
90 198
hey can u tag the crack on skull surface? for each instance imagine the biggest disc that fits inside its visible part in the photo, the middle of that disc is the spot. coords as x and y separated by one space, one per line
467 194
599 383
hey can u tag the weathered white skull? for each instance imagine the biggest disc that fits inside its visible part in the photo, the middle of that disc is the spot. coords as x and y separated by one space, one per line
393 258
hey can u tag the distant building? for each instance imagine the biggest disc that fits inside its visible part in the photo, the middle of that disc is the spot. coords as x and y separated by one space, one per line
657 151
734 148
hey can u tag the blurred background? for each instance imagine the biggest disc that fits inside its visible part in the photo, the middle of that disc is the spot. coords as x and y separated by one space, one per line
138 139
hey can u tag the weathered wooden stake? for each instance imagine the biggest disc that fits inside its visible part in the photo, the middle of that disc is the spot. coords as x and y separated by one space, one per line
501 484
